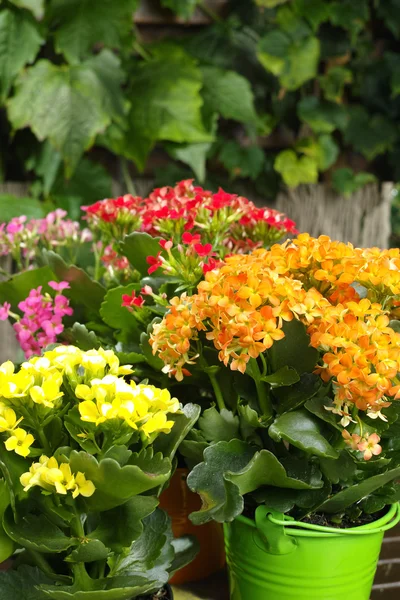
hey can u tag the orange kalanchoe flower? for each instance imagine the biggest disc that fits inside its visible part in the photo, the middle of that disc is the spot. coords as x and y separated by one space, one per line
241 308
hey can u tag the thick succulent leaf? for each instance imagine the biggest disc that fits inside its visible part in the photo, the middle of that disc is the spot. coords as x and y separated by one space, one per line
186 549
118 528
168 443
283 377
137 247
22 584
12 466
74 104
117 316
303 431
221 499
88 551
78 335
293 350
340 501
17 288
229 94
36 533
19 43
138 586
317 406
83 292
218 426
115 484
265 469
290 398
84 23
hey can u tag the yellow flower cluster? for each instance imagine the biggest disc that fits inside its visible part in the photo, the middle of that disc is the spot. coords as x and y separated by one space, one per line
142 407
54 477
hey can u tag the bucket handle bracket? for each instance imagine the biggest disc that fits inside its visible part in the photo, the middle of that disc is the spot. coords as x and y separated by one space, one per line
273 536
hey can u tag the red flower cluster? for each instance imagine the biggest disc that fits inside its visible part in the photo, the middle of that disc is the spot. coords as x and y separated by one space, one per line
229 222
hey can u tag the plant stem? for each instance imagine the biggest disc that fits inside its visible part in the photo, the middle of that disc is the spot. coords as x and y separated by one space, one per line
41 562
130 186
264 400
217 391
43 440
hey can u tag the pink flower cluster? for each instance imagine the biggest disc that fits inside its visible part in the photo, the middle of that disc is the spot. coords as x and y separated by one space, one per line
41 321
227 221
22 238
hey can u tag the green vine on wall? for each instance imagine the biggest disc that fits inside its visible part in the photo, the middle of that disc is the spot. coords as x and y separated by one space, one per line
279 91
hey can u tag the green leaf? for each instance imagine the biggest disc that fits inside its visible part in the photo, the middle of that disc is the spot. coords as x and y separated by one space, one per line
17 288
290 398
369 134
317 405
137 247
118 528
321 116
194 155
22 584
12 466
265 469
303 431
186 548
117 316
168 443
293 61
220 425
228 94
324 150
296 170
88 551
81 337
19 43
350 14
115 484
168 107
34 6
154 361
183 8
345 181
84 23
340 501
339 470
11 206
74 104
293 350
314 11
334 82
36 533
242 161
283 377
221 499
84 292
389 12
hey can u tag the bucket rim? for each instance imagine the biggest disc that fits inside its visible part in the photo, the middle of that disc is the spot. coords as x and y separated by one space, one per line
297 528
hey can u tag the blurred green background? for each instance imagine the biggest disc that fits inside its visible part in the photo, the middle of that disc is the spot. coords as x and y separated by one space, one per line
254 95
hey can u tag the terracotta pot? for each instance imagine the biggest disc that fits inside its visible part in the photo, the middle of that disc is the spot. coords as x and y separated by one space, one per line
178 501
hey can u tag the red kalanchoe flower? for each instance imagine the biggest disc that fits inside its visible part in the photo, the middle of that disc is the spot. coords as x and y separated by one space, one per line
203 250
188 238
211 265
154 262
132 300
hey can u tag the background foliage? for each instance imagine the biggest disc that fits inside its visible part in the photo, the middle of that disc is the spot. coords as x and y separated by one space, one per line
288 91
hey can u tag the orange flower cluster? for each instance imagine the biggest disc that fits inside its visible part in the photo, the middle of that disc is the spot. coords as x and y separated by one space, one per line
241 306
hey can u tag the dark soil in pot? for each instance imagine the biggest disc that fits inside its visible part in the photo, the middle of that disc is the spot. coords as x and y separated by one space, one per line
165 594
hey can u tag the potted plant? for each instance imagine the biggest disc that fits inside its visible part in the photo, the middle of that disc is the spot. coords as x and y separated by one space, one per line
144 250
85 452
299 456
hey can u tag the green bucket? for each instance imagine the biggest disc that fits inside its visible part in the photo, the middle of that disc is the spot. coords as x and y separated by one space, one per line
277 558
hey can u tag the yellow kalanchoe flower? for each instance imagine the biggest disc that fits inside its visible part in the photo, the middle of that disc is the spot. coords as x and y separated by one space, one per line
51 476
49 391
20 441
8 418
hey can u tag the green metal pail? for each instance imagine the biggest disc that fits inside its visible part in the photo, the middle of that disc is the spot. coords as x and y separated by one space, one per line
277 558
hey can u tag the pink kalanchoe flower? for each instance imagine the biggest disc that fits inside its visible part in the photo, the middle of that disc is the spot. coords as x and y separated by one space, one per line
59 287
5 311
370 446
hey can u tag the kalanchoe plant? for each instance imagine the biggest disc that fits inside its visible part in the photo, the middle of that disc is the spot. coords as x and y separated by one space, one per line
85 451
145 251
299 347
